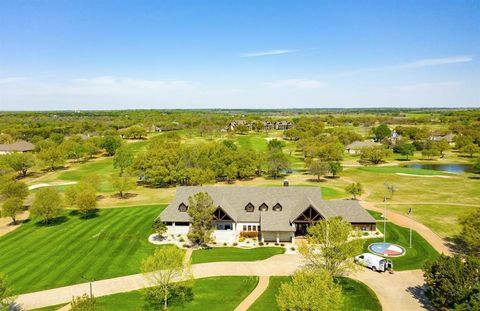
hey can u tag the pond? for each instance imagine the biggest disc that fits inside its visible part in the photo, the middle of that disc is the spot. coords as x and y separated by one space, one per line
449 168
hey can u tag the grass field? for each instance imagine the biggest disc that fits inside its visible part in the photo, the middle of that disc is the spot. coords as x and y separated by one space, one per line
400 169
215 293
234 254
103 168
356 296
113 244
442 219
415 257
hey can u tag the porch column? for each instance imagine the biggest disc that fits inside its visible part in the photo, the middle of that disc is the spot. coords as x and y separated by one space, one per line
173 224
278 237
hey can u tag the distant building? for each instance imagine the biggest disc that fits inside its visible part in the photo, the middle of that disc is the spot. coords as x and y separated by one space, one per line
357 146
283 125
233 125
18 146
438 137
394 137
268 126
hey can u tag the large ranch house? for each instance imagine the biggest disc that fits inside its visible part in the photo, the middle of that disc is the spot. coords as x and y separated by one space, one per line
277 214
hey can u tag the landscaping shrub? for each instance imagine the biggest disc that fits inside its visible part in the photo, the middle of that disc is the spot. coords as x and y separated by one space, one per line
249 234
261 243
83 303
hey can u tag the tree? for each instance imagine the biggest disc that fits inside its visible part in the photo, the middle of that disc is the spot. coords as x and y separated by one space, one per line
430 153
354 189
11 207
334 168
390 189
330 246
47 204
122 184
201 211
318 168
83 303
20 162
241 128
470 233
375 154
441 146
470 149
382 131
163 268
303 293
14 189
407 150
111 143
331 152
86 200
159 227
6 296
275 144
276 161
123 159
452 281
52 157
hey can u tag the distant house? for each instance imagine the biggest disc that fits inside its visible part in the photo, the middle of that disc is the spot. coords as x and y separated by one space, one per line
232 125
18 146
282 125
438 137
357 146
394 137
268 126
276 214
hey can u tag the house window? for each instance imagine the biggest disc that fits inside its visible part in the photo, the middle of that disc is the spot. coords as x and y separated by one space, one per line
182 207
263 207
244 228
254 228
249 228
277 207
249 207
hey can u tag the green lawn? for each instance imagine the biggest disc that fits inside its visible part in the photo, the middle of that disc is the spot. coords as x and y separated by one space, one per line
215 293
399 169
442 219
357 296
37 257
103 168
252 141
234 254
415 257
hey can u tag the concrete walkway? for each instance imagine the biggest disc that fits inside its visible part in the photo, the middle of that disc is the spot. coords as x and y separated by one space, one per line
400 291
257 292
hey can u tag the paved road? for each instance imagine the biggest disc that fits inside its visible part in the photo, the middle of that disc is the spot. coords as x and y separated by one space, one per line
394 291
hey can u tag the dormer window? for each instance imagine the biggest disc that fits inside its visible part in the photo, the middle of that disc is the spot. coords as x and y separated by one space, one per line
277 207
182 207
249 208
263 207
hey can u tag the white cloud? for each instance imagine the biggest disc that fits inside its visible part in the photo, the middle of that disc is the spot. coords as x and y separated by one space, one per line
297 83
430 85
268 53
12 80
426 62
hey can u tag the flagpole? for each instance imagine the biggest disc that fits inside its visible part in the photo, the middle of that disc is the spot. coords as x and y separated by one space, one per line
410 214
385 219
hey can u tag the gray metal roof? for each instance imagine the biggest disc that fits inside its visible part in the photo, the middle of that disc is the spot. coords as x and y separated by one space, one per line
294 201
351 211
20 146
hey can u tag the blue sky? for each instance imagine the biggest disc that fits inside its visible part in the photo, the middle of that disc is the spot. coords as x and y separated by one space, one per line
238 54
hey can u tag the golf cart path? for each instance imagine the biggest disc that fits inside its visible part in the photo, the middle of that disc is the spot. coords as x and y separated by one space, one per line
253 296
400 291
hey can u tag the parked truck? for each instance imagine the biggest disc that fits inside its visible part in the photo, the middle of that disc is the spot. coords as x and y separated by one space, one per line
374 262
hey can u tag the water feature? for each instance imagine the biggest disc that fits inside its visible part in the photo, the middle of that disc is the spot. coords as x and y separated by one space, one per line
449 168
